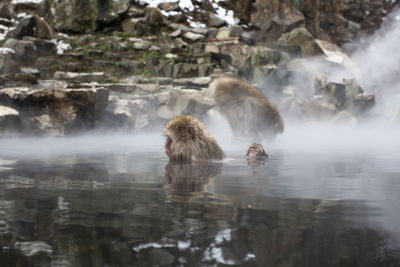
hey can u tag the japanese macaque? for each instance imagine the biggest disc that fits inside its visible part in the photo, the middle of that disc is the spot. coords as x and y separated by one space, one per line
256 151
249 112
188 141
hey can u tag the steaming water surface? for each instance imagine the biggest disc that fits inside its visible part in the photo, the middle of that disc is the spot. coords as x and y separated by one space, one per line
325 197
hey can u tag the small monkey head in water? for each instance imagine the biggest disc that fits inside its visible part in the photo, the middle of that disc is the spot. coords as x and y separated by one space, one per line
189 141
256 151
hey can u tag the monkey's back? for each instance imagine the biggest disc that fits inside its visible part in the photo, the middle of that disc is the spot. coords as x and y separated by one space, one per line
246 108
191 141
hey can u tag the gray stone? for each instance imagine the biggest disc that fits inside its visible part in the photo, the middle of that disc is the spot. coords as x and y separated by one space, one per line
193 37
142 45
9 119
197 82
187 101
169 6
32 248
223 32
215 21
302 38
44 47
26 27
131 114
317 109
25 51
335 93
84 15
344 117
79 76
182 70
7 64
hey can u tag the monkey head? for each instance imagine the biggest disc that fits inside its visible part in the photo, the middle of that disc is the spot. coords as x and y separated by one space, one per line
189 141
256 151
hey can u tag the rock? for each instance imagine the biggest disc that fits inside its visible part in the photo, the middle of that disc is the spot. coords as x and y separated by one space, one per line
302 38
361 103
142 45
169 6
54 111
178 102
24 28
9 119
25 51
135 12
7 63
84 15
352 88
33 248
193 37
344 117
79 76
275 17
129 114
197 82
44 47
215 21
236 30
223 32
317 109
34 26
182 70
334 54
335 93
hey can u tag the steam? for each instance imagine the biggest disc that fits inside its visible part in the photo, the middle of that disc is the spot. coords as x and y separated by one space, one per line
378 62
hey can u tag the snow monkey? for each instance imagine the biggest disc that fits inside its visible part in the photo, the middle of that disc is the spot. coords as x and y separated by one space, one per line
256 151
188 141
249 112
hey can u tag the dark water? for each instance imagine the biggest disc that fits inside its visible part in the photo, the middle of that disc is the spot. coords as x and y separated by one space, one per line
106 201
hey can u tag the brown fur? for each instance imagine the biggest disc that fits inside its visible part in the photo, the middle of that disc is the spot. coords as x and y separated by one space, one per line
43 29
6 10
248 111
261 155
191 142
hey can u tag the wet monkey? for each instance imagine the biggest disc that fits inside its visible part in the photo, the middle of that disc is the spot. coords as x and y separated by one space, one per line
256 151
249 112
188 141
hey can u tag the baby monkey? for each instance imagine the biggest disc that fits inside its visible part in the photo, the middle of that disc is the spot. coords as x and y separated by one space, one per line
256 151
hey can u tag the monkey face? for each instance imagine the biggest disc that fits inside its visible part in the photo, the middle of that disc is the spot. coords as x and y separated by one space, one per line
256 151
168 146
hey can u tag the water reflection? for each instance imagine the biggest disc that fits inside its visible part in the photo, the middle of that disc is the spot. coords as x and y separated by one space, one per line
128 210
186 182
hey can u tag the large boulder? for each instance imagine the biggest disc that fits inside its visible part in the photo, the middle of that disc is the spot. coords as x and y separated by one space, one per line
84 15
56 111
9 119
302 38
183 101
25 51
8 65
128 114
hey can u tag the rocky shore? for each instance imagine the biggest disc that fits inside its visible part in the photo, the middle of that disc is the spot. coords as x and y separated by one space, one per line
121 65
